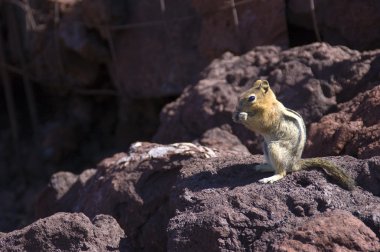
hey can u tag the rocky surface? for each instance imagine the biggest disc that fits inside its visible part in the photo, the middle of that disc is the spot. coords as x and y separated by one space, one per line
310 79
353 130
332 231
101 73
134 188
67 232
186 197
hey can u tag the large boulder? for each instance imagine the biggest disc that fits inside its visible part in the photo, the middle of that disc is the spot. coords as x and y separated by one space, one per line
186 197
353 130
133 187
310 79
67 232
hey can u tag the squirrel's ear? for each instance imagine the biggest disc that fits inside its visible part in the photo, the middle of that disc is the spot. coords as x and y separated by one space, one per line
264 85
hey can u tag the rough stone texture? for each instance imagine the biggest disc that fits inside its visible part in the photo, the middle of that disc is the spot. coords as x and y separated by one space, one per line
133 188
223 208
309 79
332 231
62 189
66 232
185 197
352 23
223 139
353 130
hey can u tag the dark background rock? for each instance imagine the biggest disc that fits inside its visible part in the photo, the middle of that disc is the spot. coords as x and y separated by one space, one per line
339 22
258 23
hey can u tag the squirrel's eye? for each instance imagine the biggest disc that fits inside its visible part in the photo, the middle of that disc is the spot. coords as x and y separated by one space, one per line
252 98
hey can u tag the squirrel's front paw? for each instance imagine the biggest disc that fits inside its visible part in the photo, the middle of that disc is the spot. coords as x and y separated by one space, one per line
239 116
243 116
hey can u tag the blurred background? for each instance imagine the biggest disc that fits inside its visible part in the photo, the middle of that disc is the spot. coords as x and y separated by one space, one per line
83 79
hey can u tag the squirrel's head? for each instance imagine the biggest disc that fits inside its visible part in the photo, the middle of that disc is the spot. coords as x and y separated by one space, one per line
253 101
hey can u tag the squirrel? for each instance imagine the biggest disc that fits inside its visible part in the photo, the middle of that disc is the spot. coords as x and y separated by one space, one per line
284 134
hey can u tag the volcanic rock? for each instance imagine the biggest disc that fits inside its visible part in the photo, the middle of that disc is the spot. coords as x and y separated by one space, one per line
332 231
186 197
310 79
66 232
353 130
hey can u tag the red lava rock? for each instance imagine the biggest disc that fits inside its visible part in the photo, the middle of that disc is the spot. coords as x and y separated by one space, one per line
309 79
223 139
353 130
231 211
133 187
332 231
186 197
66 232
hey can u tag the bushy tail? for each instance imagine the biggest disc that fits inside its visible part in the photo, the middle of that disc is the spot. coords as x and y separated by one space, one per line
334 171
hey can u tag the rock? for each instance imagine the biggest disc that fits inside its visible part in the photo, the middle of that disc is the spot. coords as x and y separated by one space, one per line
66 55
186 197
62 189
133 187
340 22
353 130
224 141
310 79
66 232
258 23
333 231
224 208
149 51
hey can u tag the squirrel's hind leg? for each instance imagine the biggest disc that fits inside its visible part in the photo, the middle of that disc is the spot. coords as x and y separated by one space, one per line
265 167
277 155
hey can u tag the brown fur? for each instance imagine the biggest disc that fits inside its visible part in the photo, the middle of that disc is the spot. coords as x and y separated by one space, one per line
284 133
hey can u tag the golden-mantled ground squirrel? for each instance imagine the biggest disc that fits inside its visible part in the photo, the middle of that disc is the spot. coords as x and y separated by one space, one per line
284 135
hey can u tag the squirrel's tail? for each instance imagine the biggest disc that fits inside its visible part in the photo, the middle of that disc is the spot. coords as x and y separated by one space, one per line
342 178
